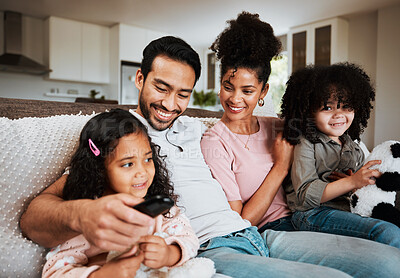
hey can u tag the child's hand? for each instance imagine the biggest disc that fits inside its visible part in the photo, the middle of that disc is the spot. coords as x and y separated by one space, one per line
335 176
364 175
157 253
122 268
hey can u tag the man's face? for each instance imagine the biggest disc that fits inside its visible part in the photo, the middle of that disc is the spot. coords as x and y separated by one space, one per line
165 94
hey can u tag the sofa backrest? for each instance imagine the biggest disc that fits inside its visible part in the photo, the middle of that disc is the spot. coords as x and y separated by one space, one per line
19 108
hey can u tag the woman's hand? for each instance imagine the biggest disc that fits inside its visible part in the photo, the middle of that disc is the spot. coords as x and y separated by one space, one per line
157 253
122 268
282 153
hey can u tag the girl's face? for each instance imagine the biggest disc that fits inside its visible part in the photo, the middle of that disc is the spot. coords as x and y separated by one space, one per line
130 168
239 94
334 119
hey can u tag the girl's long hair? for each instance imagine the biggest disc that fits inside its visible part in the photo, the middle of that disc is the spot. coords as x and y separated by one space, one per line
88 175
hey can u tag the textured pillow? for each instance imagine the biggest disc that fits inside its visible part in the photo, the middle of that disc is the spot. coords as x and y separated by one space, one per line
33 154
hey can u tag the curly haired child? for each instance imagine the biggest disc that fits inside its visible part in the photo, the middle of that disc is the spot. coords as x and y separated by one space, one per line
116 155
325 109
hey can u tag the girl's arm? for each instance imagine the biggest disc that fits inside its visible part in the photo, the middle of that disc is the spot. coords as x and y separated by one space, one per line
71 259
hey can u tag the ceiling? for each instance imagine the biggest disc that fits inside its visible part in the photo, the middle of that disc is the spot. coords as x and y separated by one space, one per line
196 21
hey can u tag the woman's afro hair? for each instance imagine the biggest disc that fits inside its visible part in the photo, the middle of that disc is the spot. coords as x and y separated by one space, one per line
310 88
247 42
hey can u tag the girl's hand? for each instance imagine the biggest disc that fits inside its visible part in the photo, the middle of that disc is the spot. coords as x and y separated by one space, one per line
123 268
283 152
365 176
157 253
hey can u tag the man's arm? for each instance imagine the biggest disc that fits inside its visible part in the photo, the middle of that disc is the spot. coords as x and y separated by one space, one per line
108 222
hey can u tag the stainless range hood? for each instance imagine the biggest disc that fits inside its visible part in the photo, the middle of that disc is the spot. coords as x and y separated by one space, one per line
12 60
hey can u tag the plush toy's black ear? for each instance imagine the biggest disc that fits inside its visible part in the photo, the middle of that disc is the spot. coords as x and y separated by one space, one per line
389 181
395 148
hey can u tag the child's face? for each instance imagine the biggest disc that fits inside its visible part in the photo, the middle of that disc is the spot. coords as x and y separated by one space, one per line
334 120
130 167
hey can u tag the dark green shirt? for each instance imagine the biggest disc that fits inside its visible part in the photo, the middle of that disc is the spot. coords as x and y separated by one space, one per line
312 165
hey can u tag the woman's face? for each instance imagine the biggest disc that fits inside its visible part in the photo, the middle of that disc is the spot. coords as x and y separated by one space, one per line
130 167
240 93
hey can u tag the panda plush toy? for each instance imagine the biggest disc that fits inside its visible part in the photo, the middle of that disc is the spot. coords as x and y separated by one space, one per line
378 200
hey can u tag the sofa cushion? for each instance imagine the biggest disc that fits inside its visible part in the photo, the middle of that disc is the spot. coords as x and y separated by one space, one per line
33 154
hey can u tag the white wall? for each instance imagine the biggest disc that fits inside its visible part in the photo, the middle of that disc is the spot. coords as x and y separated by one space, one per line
25 86
387 116
362 51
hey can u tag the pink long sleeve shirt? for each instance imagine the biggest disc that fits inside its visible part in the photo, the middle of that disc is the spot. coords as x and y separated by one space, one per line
70 259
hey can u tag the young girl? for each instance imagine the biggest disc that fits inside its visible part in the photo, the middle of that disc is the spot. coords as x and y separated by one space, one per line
116 155
325 110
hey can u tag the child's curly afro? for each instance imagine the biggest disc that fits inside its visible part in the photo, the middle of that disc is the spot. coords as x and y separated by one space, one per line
310 88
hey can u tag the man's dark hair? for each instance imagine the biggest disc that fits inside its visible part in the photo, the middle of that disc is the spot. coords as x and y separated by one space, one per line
173 48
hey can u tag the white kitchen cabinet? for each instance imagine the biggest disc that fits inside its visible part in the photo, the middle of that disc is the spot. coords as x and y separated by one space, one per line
77 51
95 53
132 41
321 43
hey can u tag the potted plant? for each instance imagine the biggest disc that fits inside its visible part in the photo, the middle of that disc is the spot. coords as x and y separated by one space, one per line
204 99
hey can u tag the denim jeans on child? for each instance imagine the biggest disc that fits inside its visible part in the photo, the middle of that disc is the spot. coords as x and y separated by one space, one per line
281 224
246 253
328 220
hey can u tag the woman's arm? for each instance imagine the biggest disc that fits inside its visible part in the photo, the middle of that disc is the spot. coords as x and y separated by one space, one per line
220 159
108 222
256 207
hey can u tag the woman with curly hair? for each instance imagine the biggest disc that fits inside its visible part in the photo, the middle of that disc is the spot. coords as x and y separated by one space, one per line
116 155
244 152
325 109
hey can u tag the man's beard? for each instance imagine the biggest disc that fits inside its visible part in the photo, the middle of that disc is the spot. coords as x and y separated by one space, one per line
146 115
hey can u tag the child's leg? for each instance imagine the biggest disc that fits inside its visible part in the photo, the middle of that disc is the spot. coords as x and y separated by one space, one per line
329 220
282 224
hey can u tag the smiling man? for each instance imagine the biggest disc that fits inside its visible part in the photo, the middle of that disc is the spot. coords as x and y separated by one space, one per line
169 71
164 93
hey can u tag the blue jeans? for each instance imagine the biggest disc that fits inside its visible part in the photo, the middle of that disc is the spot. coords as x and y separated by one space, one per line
282 224
334 221
246 253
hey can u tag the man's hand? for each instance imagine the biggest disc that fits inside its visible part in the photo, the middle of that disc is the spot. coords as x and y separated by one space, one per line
111 223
